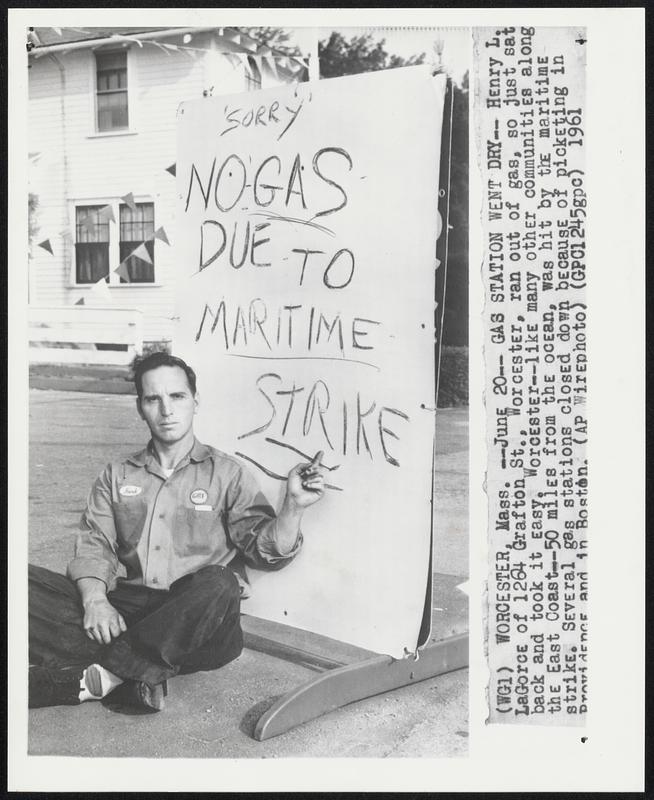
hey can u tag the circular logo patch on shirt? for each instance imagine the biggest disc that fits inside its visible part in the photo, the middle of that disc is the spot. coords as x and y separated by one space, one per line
199 496
130 491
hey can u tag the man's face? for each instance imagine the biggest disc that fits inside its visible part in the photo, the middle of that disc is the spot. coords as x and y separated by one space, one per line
167 404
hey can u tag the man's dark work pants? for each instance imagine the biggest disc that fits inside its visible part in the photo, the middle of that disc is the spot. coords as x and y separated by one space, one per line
195 625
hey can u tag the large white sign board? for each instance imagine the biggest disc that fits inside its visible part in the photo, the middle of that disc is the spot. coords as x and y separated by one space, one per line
306 238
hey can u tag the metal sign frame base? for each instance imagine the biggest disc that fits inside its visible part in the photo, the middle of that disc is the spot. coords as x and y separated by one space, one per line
339 685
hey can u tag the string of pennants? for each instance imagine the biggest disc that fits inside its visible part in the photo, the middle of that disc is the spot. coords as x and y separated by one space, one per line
106 214
262 60
268 60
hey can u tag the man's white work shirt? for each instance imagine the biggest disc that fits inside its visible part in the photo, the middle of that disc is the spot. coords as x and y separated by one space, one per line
161 528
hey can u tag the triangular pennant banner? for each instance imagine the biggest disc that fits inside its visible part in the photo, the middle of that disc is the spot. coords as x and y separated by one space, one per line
269 61
233 59
160 233
100 291
249 43
123 272
142 253
45 244
246 64
128 199
297 64
79 302
172 169
106 214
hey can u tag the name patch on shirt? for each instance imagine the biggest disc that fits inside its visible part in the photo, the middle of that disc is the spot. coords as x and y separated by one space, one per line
199 496
203 508
130 491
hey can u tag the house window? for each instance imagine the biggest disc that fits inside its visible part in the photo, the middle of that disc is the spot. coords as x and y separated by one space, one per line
111 90
106 235
137 227
91 245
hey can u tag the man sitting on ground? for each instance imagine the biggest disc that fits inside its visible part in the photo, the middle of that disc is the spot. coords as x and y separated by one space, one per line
174 515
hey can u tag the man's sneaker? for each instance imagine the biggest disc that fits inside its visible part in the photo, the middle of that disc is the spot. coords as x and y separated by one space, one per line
98 681
93 680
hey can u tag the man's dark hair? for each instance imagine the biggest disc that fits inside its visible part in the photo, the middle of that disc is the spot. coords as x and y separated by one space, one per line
162 359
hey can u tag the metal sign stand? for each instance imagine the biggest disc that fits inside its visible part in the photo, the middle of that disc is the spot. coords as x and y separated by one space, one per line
345 673
340 684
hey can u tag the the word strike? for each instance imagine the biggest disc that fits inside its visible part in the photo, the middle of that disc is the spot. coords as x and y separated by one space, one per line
295 411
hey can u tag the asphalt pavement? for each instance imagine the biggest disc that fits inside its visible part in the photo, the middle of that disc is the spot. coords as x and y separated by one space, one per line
212 715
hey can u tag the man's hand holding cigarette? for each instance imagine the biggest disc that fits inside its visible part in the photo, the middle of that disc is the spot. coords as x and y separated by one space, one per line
306 483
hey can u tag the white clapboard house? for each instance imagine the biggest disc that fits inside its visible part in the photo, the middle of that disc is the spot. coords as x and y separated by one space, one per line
102 140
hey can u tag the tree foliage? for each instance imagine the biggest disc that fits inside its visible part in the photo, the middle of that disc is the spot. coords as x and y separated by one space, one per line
338 56
274 38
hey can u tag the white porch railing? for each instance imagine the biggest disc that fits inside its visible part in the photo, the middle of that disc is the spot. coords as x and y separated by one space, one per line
84 335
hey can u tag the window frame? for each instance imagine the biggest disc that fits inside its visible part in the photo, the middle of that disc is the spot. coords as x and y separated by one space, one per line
114 241
96 207
131 92
123 92
136 242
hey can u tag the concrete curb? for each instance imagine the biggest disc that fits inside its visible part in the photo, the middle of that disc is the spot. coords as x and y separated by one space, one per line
73 385
81 378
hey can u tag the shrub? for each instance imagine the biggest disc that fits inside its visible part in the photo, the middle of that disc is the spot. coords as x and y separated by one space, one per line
163 346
